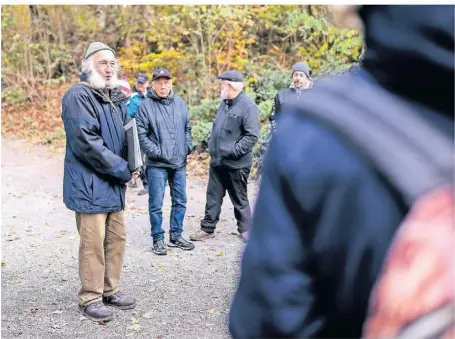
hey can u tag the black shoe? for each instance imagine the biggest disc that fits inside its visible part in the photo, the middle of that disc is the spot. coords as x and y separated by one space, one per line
120 301
159 247
97 312
181 243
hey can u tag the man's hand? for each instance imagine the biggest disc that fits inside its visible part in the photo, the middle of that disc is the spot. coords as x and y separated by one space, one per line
134 177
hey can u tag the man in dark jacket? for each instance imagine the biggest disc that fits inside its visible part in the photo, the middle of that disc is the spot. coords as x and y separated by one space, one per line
96 172
234 133
301 81
164 129
325 217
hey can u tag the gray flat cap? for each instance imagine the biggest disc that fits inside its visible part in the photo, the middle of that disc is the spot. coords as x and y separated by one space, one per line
301 67
233 75
95 47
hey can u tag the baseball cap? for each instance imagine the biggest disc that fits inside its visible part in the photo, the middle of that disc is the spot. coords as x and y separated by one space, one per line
142 78
161 73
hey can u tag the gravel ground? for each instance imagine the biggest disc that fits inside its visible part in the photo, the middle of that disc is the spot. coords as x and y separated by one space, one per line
181 295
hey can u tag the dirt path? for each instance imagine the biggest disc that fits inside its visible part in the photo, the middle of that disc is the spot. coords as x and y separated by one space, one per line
182 295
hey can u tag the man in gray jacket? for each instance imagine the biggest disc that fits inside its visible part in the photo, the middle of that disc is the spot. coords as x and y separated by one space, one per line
164 131
234 133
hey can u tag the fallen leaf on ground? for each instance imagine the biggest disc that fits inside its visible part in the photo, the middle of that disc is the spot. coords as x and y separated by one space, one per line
148 315
3 264
221 254
16 281
212 310
31 310
17 238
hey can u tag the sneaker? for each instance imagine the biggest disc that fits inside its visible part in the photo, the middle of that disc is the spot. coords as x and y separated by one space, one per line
120 301
96 312
201 235
142 192
159 247
181 243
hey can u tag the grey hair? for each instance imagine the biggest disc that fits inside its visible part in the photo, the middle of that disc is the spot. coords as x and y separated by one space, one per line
238 86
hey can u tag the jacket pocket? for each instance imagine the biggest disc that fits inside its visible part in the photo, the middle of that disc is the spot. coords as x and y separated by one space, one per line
230 135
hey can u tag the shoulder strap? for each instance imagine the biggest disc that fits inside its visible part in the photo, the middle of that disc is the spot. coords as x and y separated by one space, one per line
413 154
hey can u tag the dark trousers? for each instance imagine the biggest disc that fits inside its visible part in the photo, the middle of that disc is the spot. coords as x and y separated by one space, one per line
144 177
234 181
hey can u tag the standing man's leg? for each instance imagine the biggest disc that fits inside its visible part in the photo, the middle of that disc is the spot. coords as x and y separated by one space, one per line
114 251
144 177
215 194
177 184
157 178
237 188
91 228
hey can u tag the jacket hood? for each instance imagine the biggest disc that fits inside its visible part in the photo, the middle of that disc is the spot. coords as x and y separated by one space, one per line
166 101
410 51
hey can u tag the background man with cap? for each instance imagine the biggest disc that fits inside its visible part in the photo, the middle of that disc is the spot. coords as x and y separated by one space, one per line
164 129
139 93
95 177
301 81
234 133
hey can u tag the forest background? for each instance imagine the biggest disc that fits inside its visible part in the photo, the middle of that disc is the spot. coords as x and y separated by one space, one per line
43 46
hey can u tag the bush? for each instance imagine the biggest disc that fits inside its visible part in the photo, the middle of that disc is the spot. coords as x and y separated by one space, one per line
201 131
15 96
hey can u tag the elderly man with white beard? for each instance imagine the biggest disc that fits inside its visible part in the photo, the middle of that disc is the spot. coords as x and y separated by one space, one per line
95 178
234 133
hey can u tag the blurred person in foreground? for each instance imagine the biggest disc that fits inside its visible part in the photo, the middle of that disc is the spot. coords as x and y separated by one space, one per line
164 130
138 94
234 133
325 215
95 178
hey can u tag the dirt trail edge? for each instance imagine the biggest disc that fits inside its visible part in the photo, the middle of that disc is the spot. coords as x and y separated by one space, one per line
181 295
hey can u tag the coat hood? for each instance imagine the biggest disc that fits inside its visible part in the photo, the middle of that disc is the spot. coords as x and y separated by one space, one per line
410 51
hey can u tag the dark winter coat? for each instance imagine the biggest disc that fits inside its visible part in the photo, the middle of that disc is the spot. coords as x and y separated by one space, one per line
164 130
234 133
95 167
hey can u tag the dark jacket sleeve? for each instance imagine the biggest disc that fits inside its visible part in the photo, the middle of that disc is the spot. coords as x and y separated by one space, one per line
320 230
250 126
82 131
188 135
149 145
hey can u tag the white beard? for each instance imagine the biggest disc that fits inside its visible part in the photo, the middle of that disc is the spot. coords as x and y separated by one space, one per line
97 81
223 94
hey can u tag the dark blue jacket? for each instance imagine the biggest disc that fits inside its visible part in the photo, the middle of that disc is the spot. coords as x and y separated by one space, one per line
324 217
164 130
95 167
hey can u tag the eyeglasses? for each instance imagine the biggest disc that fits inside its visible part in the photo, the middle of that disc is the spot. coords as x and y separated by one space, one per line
105 64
